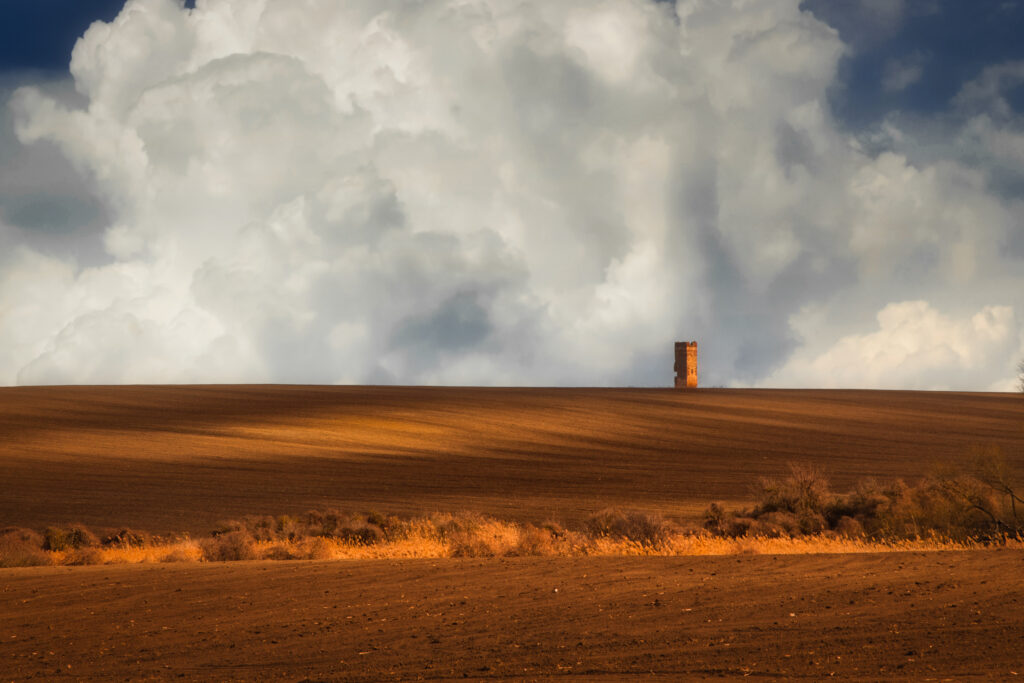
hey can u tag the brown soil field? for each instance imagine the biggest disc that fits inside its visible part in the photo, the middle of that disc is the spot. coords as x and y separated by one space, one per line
930 616
167 459
182 458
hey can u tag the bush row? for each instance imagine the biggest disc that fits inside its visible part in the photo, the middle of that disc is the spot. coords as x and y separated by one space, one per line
27 548
467 534
309 536
980 507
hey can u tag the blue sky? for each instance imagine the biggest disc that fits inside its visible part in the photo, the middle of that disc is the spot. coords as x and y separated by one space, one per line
821 192
39 34
952 42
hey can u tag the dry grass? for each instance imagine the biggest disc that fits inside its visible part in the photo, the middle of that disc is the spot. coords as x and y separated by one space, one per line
158 551
22 548
609 534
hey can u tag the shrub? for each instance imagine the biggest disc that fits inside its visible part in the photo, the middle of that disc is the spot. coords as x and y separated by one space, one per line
448 525
392 527
759 528
227 527
533 541
20 535
359 533
610 522
740 526
312 519
866 501
465 534
228 547
22 548
646 529
261 528
991 468
812 523
288 528
126 538
470 534
848 527
804 491
957 506
716 519
332 521
74 537
961 507
776 525
80 537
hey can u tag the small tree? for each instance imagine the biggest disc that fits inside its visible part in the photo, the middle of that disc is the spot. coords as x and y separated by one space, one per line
1020 376
995 472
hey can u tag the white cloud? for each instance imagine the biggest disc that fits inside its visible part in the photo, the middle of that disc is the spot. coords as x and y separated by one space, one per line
993 134
899 74
915 347
987 92
475 191
935 225
867 22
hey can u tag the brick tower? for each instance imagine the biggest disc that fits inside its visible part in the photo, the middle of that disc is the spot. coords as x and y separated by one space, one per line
686 365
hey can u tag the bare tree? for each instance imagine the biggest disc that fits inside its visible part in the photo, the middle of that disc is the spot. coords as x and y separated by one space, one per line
1020 375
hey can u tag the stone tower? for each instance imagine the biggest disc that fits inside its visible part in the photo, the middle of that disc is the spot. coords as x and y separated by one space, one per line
686 365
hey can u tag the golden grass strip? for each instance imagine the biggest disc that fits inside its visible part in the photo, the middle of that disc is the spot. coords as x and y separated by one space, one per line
501 539
336 536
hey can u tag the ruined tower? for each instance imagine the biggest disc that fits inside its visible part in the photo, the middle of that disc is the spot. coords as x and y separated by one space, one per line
686 365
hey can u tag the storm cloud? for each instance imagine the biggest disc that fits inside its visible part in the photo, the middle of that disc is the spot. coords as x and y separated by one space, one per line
486 192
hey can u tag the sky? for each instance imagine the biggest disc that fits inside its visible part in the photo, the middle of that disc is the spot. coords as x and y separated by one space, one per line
822 193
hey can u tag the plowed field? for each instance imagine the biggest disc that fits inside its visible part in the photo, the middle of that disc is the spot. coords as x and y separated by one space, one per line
166 459
183 458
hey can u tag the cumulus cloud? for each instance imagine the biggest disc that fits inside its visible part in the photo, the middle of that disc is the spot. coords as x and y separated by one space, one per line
479 192
916 347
